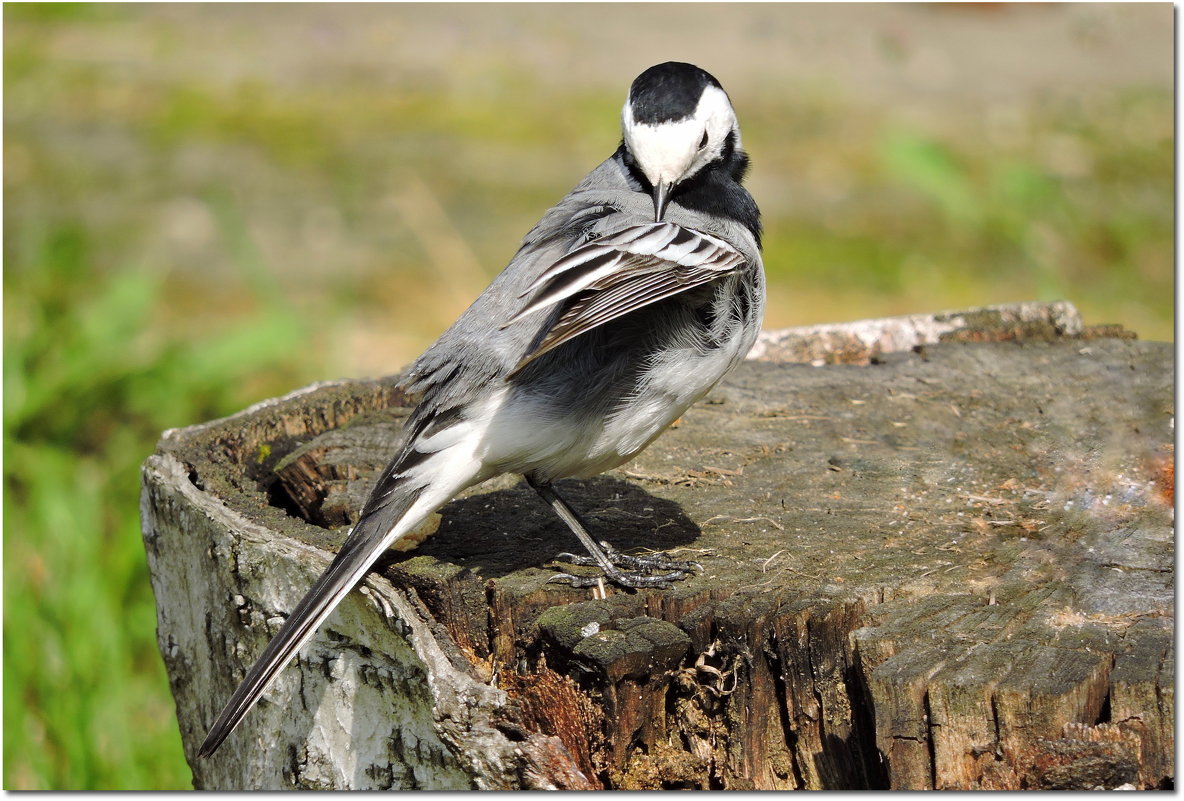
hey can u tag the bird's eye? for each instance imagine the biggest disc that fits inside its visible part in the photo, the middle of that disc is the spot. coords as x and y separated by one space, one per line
703 141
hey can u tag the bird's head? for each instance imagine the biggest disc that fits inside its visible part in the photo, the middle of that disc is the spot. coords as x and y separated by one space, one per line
676 121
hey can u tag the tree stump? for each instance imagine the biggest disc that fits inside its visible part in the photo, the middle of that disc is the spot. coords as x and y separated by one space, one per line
944 565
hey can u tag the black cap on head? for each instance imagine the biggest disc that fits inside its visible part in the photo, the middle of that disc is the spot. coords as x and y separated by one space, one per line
667 92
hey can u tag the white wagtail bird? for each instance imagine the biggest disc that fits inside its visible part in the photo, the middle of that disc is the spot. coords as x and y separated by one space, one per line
625 304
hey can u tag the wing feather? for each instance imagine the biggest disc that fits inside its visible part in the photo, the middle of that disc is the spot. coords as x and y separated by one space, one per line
618 274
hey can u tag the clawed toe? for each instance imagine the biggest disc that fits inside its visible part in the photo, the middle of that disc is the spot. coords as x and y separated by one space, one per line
635 581
640 571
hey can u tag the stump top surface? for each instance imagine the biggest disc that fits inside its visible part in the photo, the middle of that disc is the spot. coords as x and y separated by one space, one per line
965 469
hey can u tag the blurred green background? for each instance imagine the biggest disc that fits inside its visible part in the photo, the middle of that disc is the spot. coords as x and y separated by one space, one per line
207 205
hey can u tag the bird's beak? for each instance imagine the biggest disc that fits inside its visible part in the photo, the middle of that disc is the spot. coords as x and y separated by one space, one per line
661 199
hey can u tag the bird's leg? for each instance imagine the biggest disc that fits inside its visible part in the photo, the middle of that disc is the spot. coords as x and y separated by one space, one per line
606 557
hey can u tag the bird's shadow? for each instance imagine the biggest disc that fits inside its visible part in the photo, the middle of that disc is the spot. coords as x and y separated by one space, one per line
497 532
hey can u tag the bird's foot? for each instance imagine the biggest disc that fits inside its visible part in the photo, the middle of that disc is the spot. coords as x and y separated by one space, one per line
641 571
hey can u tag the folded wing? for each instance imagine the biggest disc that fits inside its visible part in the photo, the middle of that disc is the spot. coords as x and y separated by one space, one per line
621 273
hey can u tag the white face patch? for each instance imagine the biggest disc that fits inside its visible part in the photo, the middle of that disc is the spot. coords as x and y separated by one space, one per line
669 152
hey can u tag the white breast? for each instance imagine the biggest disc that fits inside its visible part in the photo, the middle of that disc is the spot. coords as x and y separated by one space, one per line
526 435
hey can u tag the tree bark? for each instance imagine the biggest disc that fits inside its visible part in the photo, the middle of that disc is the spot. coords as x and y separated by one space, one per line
940 558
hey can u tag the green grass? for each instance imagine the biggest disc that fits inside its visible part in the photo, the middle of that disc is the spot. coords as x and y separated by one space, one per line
180 245
1075 204
89 384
